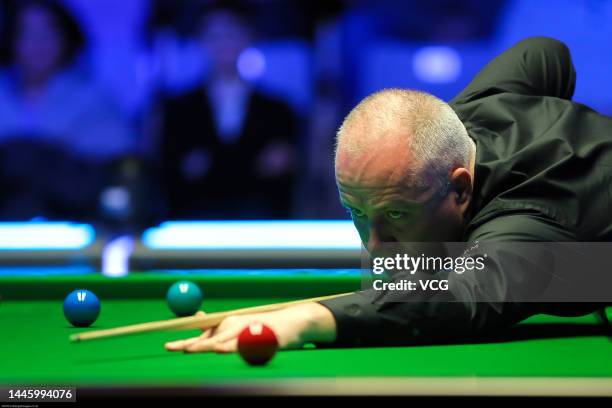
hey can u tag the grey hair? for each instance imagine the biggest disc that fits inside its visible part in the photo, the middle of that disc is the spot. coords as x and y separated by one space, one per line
436 136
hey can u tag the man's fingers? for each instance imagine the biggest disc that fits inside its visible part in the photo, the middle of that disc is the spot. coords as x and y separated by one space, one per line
201 313
218 338
207 334
229 346
183 344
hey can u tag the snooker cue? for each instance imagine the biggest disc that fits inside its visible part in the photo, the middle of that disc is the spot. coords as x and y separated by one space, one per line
207 321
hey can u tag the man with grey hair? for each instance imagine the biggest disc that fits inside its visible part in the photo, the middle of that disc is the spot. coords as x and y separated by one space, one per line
510 159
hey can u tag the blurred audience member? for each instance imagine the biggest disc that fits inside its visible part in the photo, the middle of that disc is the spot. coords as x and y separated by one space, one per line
227 150
58 131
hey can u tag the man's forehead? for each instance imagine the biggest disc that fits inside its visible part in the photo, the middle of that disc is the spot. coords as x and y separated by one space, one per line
377 164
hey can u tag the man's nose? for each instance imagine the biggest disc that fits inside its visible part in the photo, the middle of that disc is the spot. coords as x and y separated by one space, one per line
377 238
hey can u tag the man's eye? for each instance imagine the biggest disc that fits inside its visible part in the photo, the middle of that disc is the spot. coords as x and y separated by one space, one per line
354 212
395 215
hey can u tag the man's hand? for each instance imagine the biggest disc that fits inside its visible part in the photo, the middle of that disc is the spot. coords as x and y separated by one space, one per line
294 327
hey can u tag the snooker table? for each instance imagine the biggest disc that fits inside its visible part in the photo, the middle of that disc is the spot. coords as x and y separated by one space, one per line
543 356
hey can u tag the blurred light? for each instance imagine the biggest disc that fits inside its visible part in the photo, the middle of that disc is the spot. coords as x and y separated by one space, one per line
47 270
45 236
115 199
116 256
253 235
251 64
437 64
263 272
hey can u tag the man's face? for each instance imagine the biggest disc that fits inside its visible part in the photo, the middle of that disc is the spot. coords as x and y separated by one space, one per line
387 207
224 36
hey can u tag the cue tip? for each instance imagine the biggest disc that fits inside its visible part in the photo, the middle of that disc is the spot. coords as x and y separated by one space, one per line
75 338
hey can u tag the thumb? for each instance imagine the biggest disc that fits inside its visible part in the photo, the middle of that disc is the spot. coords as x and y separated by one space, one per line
200 313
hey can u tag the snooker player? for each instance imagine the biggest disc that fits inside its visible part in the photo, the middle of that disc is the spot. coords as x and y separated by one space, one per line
511 158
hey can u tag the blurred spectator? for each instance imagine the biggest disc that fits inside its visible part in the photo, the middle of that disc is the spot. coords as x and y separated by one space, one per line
58 131
431 22
227 150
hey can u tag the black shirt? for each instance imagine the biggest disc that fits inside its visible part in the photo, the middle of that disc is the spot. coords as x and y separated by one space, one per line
543 173
206 177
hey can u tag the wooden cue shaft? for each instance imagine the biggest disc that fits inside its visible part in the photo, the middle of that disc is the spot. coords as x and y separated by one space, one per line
192 322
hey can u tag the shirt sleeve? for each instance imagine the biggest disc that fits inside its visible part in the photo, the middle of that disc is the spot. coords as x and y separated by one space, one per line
539 66
475 305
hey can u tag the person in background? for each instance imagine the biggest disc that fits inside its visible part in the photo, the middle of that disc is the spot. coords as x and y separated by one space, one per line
58 130
227 150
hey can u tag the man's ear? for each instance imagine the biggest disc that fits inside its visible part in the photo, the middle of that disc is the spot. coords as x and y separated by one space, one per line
461 180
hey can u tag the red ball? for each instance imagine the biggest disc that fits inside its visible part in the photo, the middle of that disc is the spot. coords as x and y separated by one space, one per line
257 344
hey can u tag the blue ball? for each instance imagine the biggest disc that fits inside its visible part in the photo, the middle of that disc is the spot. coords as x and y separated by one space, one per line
184 298
81 307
